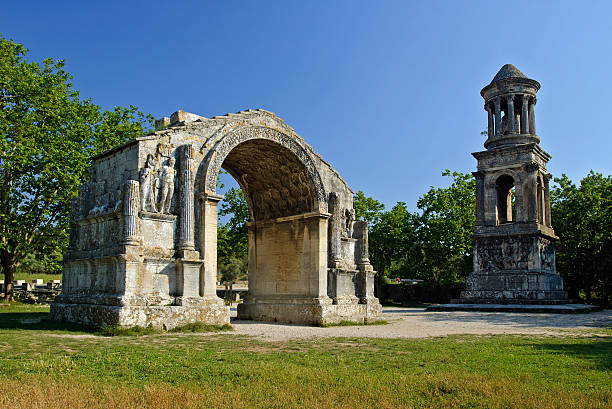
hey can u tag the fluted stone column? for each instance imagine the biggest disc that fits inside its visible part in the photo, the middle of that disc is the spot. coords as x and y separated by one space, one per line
510 114
525 115
335 229
74 215
490 127
532 204
479 176
131 205
532 127
186 204
498 125
546 192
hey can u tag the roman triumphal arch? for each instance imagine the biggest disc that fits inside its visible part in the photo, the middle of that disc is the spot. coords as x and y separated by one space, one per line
143 231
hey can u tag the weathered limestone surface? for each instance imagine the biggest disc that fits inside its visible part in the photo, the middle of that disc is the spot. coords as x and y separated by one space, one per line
143 239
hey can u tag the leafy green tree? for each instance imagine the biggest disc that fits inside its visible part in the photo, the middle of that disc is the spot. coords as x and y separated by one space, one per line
367 209
231 270
232 236
47 137
581 217
392 240
445 230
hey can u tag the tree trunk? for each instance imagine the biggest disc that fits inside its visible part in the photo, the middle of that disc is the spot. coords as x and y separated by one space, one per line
8 266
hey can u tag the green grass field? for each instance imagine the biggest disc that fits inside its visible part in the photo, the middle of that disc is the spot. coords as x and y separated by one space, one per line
29 277
49 365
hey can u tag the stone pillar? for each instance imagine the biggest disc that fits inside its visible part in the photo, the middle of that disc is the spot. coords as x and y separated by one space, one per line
532 128
525 115
361 233
131 205
335 230
498 125
74 215
209 204
490 127
479 176
185 202
546 192
510 114
532 192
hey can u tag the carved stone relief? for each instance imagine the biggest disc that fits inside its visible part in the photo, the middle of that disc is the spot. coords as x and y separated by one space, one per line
348 217
157 181
503 254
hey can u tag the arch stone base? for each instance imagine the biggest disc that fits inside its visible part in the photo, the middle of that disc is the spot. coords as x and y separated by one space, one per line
166 317
315 312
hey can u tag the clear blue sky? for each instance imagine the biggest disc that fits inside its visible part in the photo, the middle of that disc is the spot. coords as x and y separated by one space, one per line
386 91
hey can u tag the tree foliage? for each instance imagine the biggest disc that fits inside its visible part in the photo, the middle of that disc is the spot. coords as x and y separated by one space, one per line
367 209
392 241
581 217
232 236
47 137
445 230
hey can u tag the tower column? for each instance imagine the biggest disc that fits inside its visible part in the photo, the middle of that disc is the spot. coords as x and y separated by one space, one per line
498 127
546 192
490 128
532 128
525 115
510 113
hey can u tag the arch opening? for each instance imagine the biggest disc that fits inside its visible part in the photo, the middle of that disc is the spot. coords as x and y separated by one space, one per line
504 187
274 181
287 232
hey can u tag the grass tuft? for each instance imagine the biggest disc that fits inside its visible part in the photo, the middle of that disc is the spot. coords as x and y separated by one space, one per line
118 331
353 323
196 327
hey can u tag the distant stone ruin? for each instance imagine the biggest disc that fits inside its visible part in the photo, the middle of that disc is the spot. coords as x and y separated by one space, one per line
143 231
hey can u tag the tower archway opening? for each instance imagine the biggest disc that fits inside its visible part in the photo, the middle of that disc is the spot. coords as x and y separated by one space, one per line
505 194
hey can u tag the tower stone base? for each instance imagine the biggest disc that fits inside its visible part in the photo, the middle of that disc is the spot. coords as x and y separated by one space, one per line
520 287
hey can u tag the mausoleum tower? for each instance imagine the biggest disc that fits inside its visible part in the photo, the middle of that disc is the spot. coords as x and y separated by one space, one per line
514 250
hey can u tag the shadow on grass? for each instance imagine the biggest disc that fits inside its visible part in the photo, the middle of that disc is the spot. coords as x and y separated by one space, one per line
598 351
40 321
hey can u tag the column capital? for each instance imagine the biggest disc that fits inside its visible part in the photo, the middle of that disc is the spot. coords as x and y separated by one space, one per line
478 175
213 197
532 167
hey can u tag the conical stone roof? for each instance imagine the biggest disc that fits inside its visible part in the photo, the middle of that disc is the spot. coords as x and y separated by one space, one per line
508 71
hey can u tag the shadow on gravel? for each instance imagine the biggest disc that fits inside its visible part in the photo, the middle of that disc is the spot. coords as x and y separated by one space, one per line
403 310
601 319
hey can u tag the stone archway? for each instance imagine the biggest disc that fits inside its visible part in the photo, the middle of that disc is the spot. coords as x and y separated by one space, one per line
151 209
288 226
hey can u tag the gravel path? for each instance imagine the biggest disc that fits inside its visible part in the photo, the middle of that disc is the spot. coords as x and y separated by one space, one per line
417 323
